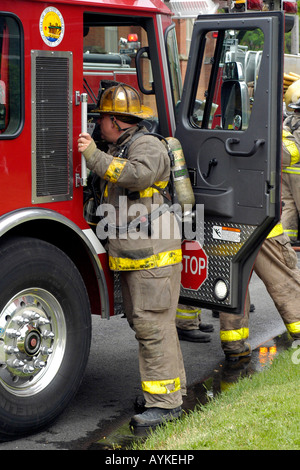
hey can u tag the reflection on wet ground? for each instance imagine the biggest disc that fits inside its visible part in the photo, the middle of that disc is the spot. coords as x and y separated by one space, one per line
200 393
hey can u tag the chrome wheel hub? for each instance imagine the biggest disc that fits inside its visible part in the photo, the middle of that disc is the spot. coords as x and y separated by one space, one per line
32 341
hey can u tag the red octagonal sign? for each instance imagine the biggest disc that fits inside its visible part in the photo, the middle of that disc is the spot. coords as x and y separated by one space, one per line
194 265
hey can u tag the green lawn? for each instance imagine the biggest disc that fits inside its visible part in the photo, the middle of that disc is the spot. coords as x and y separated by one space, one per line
261 412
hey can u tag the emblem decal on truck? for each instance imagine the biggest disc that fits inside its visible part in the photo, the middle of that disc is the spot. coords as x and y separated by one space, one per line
52 26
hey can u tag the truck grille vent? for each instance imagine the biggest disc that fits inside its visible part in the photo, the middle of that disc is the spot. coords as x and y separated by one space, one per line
52 126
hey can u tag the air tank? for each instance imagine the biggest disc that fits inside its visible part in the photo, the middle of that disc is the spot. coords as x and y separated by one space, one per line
182 182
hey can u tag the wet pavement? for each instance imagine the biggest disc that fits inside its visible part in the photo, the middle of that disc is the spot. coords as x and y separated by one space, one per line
223 377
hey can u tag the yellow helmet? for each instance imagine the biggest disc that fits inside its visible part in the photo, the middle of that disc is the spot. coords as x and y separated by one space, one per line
292 96
123 100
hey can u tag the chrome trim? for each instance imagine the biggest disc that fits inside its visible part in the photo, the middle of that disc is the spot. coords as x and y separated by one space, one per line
161 41
20 216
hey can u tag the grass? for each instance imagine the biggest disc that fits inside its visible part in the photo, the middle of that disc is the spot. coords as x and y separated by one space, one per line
261 412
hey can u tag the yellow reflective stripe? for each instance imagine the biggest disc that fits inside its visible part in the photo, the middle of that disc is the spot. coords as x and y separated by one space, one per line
277 230
161 386
290 146
292 170
291 233
187 314
148 192
154 261
234 335
115 169
293 327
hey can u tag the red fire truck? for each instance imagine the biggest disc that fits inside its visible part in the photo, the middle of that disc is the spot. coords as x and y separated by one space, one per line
53 269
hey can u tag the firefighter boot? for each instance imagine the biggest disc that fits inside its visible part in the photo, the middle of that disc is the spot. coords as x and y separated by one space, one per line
195 336
154 416
234 356
206 327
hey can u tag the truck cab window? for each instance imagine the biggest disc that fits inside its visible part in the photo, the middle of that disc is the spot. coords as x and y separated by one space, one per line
227 79
109 53
10 76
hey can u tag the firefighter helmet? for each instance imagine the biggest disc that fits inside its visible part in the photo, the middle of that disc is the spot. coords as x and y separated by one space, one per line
292 96
123 100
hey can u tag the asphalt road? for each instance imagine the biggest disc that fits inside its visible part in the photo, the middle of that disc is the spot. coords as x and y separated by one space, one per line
104 403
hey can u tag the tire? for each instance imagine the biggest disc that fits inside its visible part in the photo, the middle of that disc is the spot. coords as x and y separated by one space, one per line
45 334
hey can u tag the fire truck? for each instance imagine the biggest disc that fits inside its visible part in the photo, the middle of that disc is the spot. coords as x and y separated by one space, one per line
53 268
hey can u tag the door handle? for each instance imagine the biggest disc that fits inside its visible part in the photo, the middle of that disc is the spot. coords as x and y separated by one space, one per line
234 153
213 162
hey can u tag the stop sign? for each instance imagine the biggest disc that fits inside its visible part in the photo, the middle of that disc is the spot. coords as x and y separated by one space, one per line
194 265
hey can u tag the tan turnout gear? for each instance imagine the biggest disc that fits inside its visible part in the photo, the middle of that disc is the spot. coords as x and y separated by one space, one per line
291 175
276 266
147 164
189 325
150 300
188 318
149 263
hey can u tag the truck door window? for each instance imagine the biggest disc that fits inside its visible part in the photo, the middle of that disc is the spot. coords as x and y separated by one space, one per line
227 80
10 76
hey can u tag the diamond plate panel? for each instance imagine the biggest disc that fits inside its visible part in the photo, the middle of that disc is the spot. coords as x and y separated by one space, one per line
220 254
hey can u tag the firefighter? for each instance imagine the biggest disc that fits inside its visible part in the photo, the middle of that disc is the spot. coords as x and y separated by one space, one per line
149 266
189 325
291 173
276 265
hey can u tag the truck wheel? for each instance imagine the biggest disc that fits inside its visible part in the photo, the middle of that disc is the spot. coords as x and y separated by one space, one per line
45 334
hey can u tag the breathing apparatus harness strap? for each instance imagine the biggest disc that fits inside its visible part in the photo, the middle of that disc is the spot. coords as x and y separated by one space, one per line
169 195
289 122
144 221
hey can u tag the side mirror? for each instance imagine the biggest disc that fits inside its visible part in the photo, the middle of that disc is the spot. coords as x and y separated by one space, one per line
143 60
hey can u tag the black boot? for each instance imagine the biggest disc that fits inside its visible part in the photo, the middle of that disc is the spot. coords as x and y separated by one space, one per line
155 416
206 327
237 355
195 336
215 313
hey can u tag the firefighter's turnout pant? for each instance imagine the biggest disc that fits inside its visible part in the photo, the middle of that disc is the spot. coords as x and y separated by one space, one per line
291 199
150 300
234 329
188 317
276 266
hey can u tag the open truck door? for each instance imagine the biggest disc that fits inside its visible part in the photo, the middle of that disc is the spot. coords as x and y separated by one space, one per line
229 123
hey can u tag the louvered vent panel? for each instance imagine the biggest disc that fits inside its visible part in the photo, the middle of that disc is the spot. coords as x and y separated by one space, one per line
52 128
